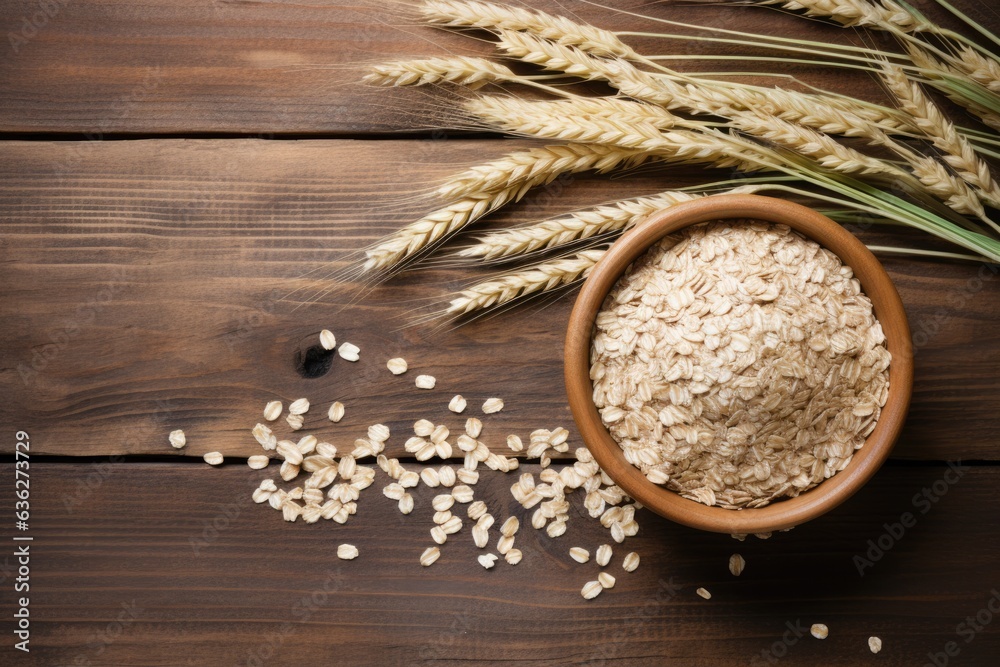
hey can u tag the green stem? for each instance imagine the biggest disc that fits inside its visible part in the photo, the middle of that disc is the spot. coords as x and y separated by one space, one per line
760 43
773 59
924 253
969 22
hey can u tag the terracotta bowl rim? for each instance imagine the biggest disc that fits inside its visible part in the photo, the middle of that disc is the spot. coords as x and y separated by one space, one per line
781 514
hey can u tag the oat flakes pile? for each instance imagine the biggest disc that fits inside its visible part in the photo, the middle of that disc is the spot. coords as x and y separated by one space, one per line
739 363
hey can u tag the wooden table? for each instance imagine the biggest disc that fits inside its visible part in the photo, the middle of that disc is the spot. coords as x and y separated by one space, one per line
182 187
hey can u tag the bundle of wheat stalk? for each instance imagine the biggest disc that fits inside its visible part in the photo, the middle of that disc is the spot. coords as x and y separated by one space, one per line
831 148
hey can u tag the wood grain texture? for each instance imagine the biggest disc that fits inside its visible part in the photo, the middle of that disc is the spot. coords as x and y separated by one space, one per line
155 285
280 67
170 564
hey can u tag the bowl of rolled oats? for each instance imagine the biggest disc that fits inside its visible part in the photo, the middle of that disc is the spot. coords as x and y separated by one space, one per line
739 364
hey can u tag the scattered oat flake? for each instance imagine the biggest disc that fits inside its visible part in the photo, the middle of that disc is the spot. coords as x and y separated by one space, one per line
347 552
299 406
294 422
492 405
819 631
336 412
606 580
272 410
579 554
874 644
425 381
349 352
397 366
705 594
513 556
457 404
258 462
406 503
487 560
631 562
514 443
604 553
213 458
430 556
327 339
177 439
591 590
736 564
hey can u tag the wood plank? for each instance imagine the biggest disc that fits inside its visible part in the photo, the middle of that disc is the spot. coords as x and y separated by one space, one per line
156 285
135 574
182 66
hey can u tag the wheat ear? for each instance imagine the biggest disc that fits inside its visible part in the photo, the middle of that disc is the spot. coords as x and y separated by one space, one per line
830 115
471 72
930 175
532 280
957 151
984 71
682 146
579 225
828 152
934 68
509 178
494 109
886 15
492 16
894 17
536 166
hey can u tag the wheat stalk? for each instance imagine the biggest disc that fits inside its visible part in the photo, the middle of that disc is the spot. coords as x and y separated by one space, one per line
536 166
934 68
929 175
601 130
887 15
489 187
682 146
580 225
828 152
495 109
532 280
943 184
984 71
491 16
963 61
957 151
472 72
829 115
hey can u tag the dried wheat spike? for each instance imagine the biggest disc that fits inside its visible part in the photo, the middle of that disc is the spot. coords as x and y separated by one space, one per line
532 280
517 173
492 16
471 72
958 153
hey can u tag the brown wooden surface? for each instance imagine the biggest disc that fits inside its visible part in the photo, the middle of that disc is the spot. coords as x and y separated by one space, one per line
184 66
166 284
170 282
143 537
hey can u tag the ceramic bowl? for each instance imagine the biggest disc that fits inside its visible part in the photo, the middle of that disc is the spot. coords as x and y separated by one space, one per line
780 514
